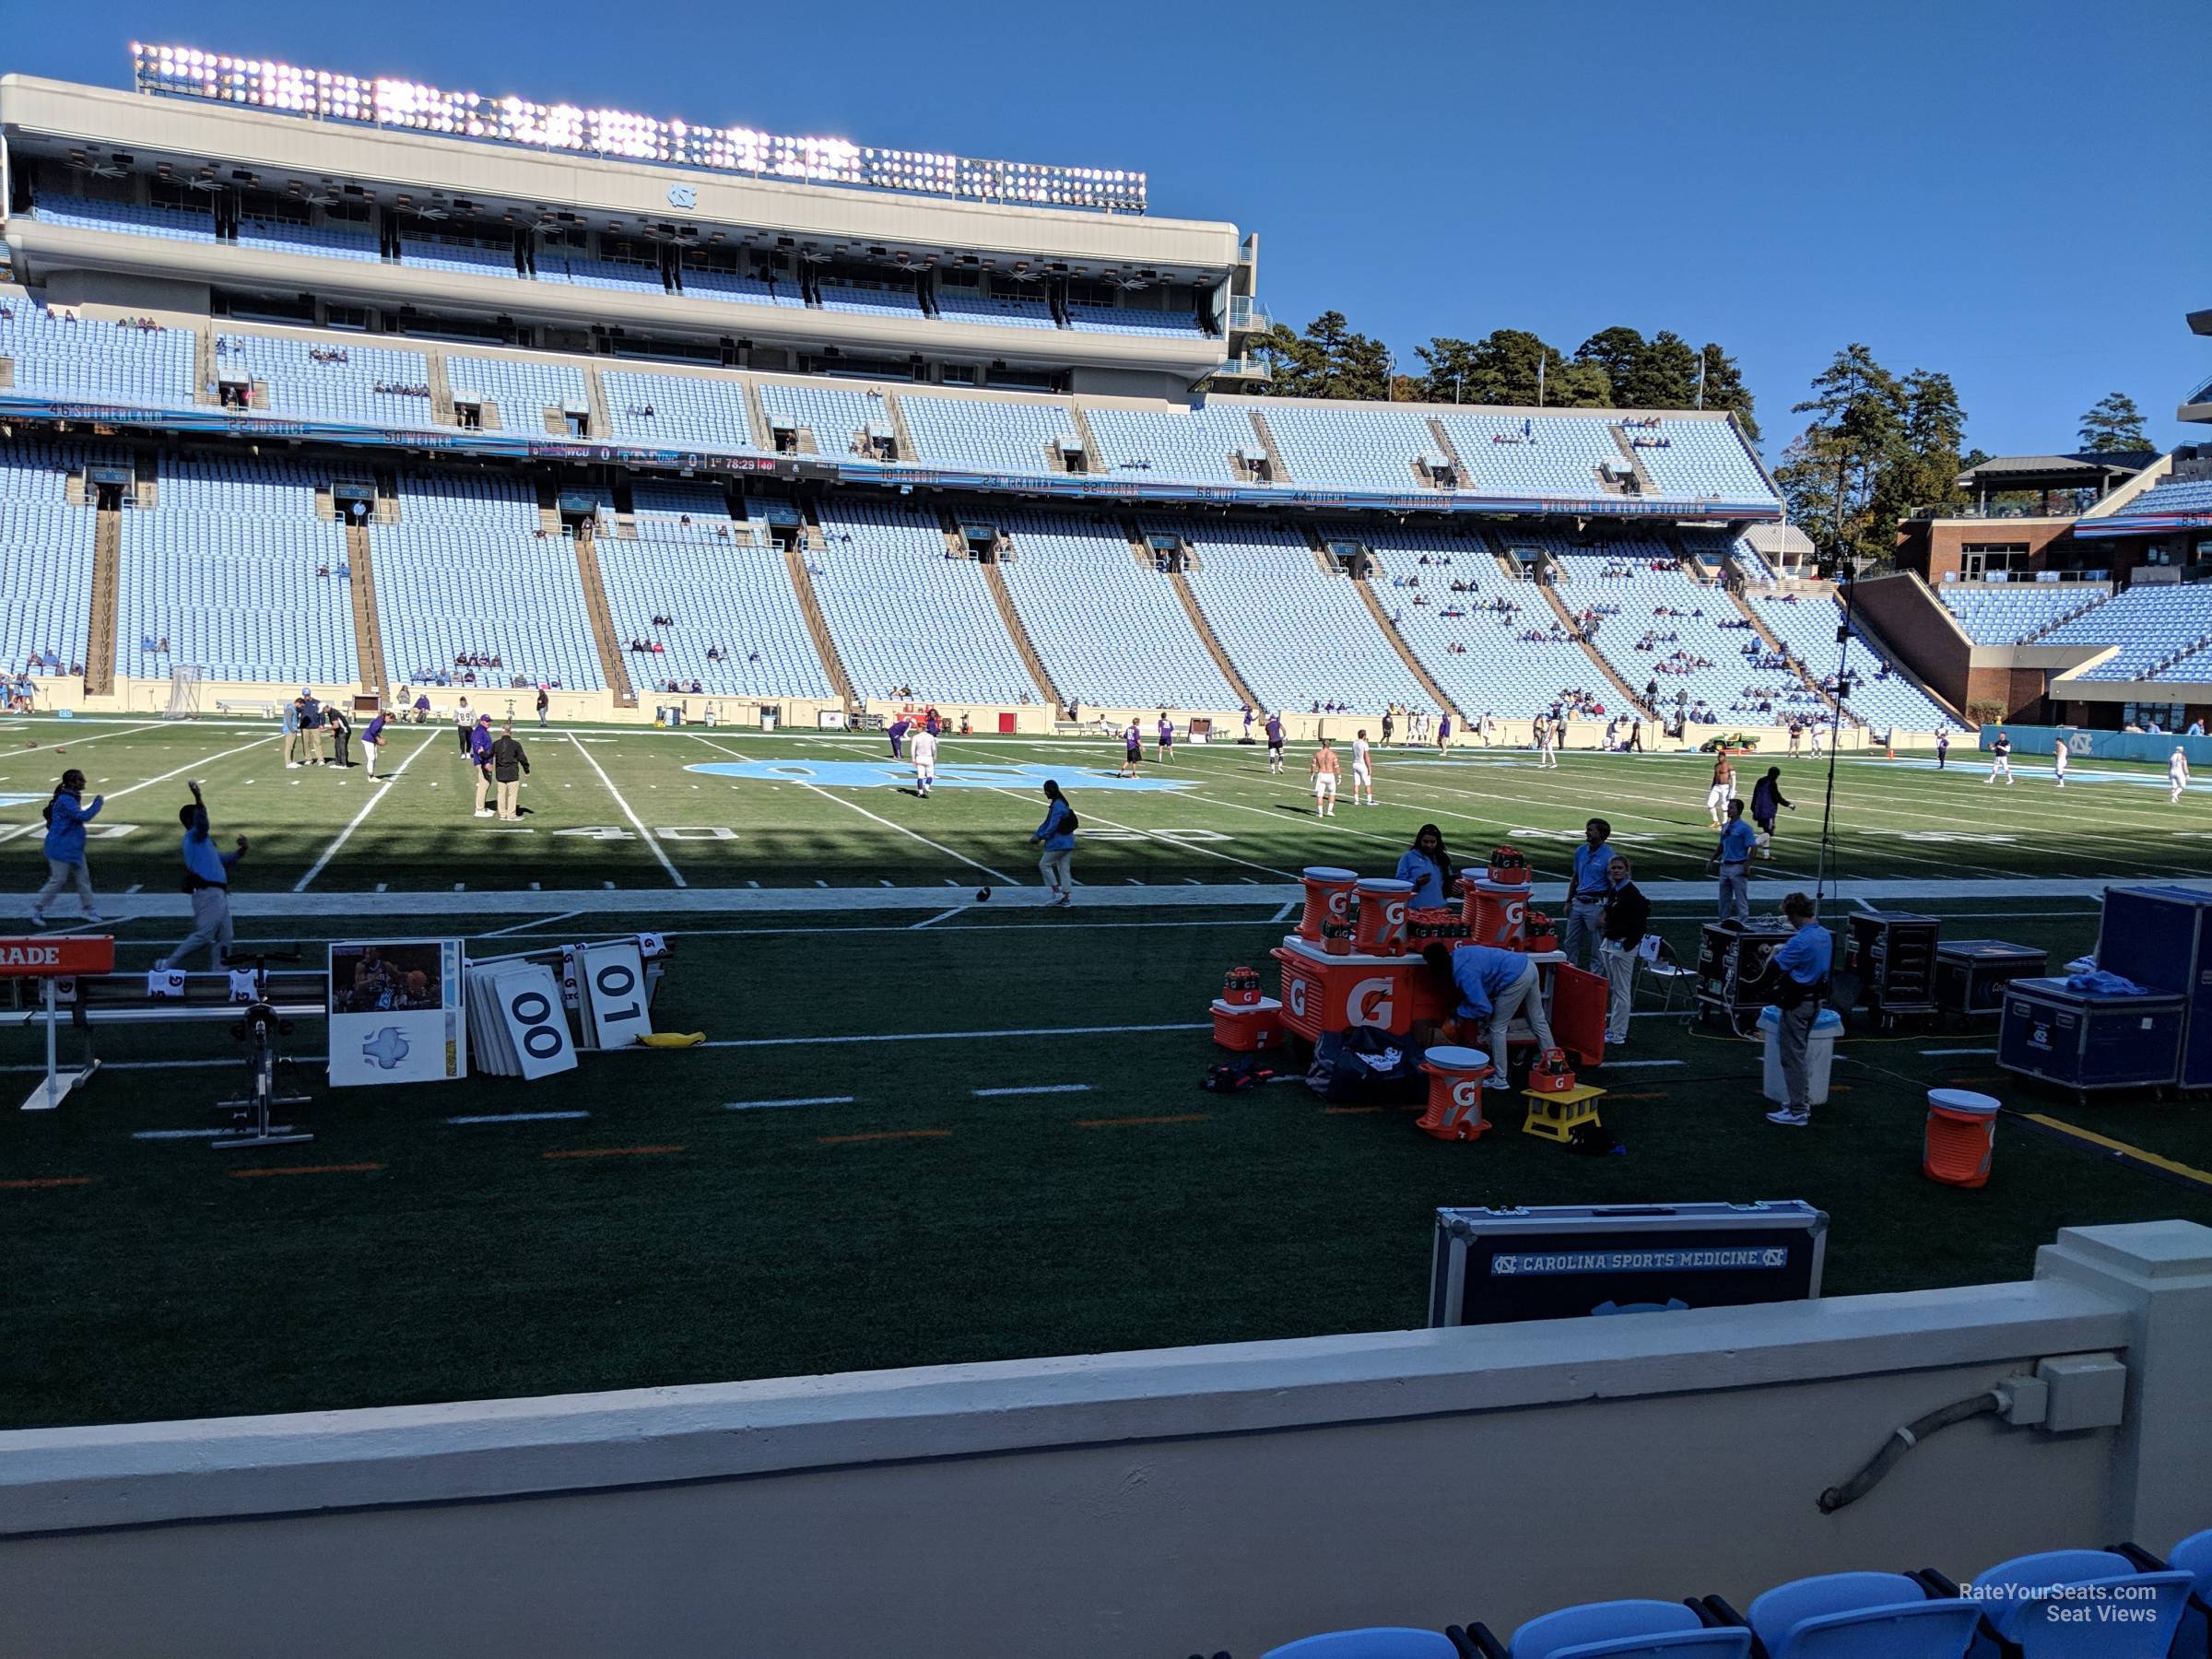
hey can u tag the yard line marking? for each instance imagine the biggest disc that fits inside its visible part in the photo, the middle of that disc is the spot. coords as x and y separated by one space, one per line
777 1105
1284 914
933 920
1168 841
352 1169
501 933
43 1181
133 886
346 834
1929 1053
636 823
839 1140
611 1152
1194 1025
176 1134
1033 1089
117 794
1181 1117
1638 1065
75 741
517 1117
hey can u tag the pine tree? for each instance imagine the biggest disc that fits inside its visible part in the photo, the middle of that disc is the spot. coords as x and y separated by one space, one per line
2113 423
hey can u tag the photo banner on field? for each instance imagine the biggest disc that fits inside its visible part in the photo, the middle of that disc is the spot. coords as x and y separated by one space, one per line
396 1012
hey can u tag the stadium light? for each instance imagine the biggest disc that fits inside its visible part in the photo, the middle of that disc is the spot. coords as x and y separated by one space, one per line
329 95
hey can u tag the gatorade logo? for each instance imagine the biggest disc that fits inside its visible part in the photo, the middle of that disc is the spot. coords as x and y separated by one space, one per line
1340 904
1372 1001
1394 917
1516 910
1296 994
1466 1095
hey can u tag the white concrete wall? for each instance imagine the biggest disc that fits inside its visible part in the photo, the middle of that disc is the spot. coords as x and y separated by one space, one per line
1150 1503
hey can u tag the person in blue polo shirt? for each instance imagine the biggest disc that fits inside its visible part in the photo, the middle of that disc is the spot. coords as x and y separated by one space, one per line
1429 867
207 879
1804 962
1586 894
1732 860
1493 985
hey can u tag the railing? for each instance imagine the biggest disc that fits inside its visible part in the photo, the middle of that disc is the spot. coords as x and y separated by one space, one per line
2060 507
1248 315
1243 368
2202 392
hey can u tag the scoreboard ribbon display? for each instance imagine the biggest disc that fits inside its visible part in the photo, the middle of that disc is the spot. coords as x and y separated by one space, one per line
1495 1266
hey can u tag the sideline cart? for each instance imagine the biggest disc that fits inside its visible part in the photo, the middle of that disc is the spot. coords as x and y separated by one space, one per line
51 959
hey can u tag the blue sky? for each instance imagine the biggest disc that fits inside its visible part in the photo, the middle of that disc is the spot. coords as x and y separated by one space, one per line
2015 193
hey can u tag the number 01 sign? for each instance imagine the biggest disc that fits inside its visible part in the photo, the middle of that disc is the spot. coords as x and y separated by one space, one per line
611 993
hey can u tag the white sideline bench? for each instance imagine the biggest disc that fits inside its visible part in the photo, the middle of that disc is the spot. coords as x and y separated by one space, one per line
267 711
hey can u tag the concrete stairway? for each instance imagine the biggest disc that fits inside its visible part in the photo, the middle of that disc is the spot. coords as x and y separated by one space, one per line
1613 674
99 634
810 607
612 663
368 634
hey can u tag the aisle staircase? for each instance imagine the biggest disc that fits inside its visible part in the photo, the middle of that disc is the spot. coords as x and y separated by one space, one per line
1590 650
368 636
810 607
100 636
612 663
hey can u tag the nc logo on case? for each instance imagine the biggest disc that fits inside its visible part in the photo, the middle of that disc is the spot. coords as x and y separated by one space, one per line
386 1049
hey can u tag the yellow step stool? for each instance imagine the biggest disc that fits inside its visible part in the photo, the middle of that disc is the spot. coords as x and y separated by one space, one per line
1556 1116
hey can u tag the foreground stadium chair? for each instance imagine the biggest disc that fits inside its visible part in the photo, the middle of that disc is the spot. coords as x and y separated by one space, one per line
1383 1642
2022 1603
1615 1629
2192 1555
1856 1616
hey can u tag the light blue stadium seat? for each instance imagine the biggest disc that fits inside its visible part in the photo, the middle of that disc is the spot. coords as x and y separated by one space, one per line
997 436
837 416
1016 311
1383 1642
1625 1630
679 411
325 242
348 383
902 614
523 392
2019 1598
724 588
177 224
1194 446
2192 1555
1297 633
1807 625
1861 1616
60 357
458 255
870 299
1131 319
1110 630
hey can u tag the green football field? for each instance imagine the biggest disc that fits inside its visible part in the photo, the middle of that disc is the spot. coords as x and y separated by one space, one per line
926 1128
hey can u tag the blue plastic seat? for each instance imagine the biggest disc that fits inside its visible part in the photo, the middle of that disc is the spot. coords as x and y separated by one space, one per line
2192 1555
2124 1613
1625 1630
1381 1642
1861 1616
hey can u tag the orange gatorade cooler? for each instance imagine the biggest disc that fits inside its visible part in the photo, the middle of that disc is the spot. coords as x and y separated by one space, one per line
1328 898
1496 913
1961 1134
1455 1079
1509 867
1382 904
1240 987
1244 1028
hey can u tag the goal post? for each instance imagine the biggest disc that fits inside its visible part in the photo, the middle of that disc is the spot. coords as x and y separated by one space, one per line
183 694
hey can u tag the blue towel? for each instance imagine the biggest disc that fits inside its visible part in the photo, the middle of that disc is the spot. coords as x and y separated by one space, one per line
2098 983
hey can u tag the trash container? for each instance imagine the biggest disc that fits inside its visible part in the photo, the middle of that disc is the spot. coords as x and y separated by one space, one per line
1961 1134
1819 1054
770 717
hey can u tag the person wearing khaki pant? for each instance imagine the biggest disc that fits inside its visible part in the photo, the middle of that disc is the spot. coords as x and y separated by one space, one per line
510 765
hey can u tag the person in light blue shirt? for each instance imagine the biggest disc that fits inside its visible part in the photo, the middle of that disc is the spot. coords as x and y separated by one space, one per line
66 816
1804 962
1732 860
207 879
1493 985
1429 867
1586 894
291 736
1058 834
